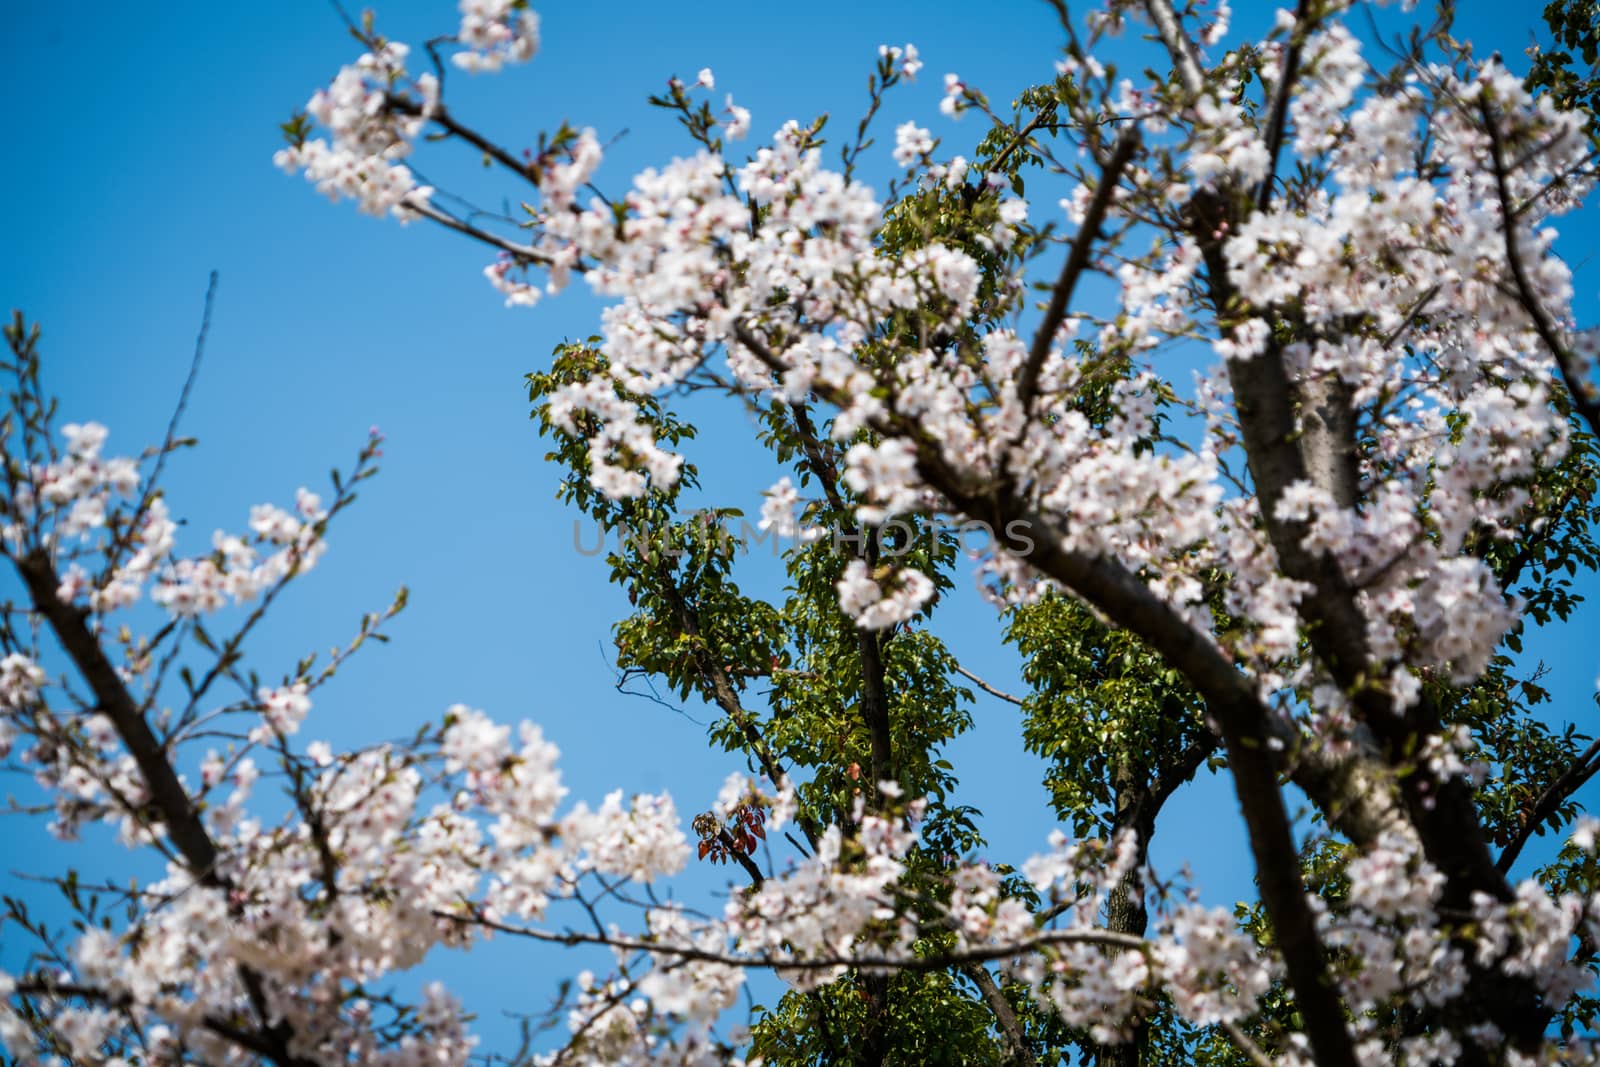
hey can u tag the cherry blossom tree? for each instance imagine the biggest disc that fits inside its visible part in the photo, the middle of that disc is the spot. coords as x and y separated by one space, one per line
1309 567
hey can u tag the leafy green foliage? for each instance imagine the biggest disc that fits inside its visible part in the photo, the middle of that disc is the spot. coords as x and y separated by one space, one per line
1571 71
930 1019
791 681
1110 715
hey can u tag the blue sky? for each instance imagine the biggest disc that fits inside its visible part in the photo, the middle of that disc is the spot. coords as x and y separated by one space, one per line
141 139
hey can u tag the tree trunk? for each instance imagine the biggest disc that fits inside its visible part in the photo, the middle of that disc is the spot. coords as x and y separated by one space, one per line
1125 910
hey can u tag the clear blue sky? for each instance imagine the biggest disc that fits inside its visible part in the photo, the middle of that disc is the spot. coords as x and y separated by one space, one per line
140 139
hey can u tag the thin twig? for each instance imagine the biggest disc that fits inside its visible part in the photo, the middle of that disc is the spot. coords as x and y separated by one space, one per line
1241 1040
935 962
444 218
987 688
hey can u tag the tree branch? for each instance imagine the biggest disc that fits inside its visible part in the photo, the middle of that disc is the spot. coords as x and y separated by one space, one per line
1277 117
1185 57
1583 393
1570 781
442 118
722 689
44 987
874 701
1129 603
1044 116
756 877
1018 1052
1441 809
178 812
1077 261
987 688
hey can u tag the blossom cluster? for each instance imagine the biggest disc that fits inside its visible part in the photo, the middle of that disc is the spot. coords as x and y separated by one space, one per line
362 162
81 502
